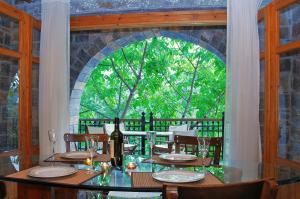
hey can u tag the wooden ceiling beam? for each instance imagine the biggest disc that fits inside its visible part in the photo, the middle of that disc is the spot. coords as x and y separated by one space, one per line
149 19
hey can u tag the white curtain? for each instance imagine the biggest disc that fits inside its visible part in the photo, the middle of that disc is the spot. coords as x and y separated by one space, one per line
242 87
54 73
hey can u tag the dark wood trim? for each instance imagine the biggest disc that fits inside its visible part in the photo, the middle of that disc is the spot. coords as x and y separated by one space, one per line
150 19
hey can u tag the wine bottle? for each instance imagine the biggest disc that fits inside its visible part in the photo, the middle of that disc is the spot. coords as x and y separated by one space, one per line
116 145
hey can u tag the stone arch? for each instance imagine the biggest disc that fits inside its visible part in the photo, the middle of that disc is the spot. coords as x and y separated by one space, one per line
114 46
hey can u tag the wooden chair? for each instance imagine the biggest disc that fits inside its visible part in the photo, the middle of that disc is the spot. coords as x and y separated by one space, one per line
260 189
81 138
191 142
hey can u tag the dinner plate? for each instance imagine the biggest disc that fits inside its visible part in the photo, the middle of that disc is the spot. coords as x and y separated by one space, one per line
178 176
178 157
77 155
51 171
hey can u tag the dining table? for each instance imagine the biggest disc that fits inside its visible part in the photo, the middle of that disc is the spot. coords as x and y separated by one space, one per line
139 179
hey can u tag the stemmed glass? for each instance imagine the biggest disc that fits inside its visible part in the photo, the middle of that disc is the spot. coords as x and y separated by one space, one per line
151 136
52 139
92 146
203 146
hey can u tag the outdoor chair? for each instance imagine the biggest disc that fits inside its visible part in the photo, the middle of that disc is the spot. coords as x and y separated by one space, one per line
260 189
167 146
76 138
128 148
189 144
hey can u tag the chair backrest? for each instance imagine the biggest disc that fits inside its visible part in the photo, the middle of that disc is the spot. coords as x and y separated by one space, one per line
181 128
260 189
94 130
215 146
68 138
109 128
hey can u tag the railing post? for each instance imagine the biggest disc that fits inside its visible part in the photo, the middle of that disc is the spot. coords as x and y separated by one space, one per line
143 122
151 121
223 131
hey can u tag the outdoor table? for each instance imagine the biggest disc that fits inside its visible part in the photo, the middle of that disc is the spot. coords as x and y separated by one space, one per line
121 180
143 135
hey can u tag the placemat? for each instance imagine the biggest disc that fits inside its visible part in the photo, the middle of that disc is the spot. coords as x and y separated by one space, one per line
58 158
74 179
145 180
197 162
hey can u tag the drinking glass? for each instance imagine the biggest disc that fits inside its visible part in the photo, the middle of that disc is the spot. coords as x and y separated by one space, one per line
52 139
92 146
151 136
203 147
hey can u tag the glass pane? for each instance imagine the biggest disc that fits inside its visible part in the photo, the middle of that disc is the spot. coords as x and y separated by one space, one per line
9 103
290 24
261 32
36 35
35 101
289 106
9 33
262 99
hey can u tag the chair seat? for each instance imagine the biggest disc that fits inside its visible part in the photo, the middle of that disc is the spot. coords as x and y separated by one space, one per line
128 147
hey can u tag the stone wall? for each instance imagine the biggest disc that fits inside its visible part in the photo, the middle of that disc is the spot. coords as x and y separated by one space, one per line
289 99
9 33
8 104
290 24
88 48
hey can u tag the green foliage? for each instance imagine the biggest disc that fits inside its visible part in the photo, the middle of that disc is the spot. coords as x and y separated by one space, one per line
175 77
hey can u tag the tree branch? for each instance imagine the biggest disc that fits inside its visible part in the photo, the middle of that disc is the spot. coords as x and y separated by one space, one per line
93 110
119 75
129 63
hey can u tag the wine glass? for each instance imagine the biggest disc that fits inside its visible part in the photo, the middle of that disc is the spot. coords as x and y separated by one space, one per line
92 146
151 136
52 139
203 147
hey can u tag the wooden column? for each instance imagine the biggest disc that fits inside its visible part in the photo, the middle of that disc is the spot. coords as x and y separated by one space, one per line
25 90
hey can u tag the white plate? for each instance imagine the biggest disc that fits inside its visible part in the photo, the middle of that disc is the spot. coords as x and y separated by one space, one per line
51 171
178 176
178 157
77 155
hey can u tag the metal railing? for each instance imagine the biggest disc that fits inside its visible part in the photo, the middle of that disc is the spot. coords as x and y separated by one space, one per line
212 127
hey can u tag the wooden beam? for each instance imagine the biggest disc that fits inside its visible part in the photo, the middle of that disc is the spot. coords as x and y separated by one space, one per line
36 23
35 60
288 163
9 153
9 10
288 47
9 53
25 90
280 4
149 19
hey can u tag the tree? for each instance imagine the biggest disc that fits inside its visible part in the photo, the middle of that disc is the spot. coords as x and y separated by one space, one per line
171 78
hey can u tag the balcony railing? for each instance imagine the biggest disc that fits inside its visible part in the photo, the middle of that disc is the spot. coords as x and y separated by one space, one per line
213 127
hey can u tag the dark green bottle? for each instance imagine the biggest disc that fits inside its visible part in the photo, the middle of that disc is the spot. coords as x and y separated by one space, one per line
116 145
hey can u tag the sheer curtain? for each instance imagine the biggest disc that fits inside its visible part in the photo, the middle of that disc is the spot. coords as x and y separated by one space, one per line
242 89
54 73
